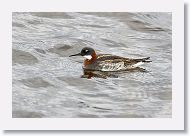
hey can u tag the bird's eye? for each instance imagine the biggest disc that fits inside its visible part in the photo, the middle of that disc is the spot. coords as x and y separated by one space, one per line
85 51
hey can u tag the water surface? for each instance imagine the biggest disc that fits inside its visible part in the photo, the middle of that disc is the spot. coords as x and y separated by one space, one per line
48 84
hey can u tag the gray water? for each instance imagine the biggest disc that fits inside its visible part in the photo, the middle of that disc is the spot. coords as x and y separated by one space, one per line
47 83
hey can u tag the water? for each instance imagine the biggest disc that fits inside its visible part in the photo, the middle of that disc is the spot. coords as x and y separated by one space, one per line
48 84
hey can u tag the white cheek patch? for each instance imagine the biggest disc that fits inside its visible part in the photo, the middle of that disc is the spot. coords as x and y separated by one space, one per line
89 57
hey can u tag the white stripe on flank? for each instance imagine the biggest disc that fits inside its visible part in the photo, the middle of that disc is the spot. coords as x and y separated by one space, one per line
112 66
138 64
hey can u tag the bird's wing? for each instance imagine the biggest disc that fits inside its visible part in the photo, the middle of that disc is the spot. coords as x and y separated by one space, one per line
135 62
114 63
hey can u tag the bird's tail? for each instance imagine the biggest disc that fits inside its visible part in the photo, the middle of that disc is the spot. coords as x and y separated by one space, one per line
141 61
144 60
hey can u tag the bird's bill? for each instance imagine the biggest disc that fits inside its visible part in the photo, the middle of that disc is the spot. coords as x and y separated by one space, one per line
78 54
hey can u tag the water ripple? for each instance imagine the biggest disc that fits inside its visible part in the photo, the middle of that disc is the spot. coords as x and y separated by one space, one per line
47 83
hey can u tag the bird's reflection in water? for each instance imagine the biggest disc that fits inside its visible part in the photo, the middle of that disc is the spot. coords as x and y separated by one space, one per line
112 74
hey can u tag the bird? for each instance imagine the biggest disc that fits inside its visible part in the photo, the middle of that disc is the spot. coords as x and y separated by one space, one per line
108 62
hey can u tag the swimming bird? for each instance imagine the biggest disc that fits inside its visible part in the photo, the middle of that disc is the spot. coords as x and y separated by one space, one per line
108 62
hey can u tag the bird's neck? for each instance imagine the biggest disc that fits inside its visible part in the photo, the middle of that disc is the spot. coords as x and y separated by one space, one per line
89 61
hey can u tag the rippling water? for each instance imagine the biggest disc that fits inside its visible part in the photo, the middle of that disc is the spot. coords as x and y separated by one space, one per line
47 83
